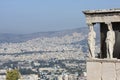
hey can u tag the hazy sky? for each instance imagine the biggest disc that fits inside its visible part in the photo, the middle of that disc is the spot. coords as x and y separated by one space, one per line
28 16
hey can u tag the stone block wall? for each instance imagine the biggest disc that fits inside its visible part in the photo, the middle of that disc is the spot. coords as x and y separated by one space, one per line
103 69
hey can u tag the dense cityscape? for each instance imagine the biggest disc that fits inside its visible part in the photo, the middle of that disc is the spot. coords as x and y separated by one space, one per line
47 58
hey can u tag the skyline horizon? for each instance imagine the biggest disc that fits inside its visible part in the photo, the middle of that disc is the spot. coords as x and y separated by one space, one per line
42 31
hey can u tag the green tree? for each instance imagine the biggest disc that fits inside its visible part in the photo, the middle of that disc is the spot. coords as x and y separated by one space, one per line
13 75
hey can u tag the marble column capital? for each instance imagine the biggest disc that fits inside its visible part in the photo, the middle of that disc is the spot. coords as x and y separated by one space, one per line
90 24
108 23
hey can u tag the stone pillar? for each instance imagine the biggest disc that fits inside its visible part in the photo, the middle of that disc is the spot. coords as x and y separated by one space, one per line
91 41
110 41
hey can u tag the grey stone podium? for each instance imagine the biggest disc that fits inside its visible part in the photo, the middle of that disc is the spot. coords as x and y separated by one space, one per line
105 67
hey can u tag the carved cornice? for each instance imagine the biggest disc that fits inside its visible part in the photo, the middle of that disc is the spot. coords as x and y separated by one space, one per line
101 16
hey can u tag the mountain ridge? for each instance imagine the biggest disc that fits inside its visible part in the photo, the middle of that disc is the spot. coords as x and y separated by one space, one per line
16 38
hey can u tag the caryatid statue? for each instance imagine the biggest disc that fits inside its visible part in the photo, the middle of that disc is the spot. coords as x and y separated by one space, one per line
91 41
110 41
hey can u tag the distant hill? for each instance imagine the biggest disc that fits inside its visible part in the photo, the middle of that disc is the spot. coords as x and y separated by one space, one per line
13 38
46 45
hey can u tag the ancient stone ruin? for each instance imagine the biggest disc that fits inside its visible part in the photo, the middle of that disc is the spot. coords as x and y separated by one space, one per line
107 65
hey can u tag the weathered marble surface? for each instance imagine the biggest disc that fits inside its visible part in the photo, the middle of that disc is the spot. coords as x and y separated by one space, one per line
93 71
110 41
103 69
108 71
91 41
102 11
94 16
118 71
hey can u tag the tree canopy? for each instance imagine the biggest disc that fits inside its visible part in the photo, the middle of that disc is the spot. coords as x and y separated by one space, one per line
13 75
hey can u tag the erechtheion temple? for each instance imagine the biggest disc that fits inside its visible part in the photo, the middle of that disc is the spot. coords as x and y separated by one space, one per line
107 65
